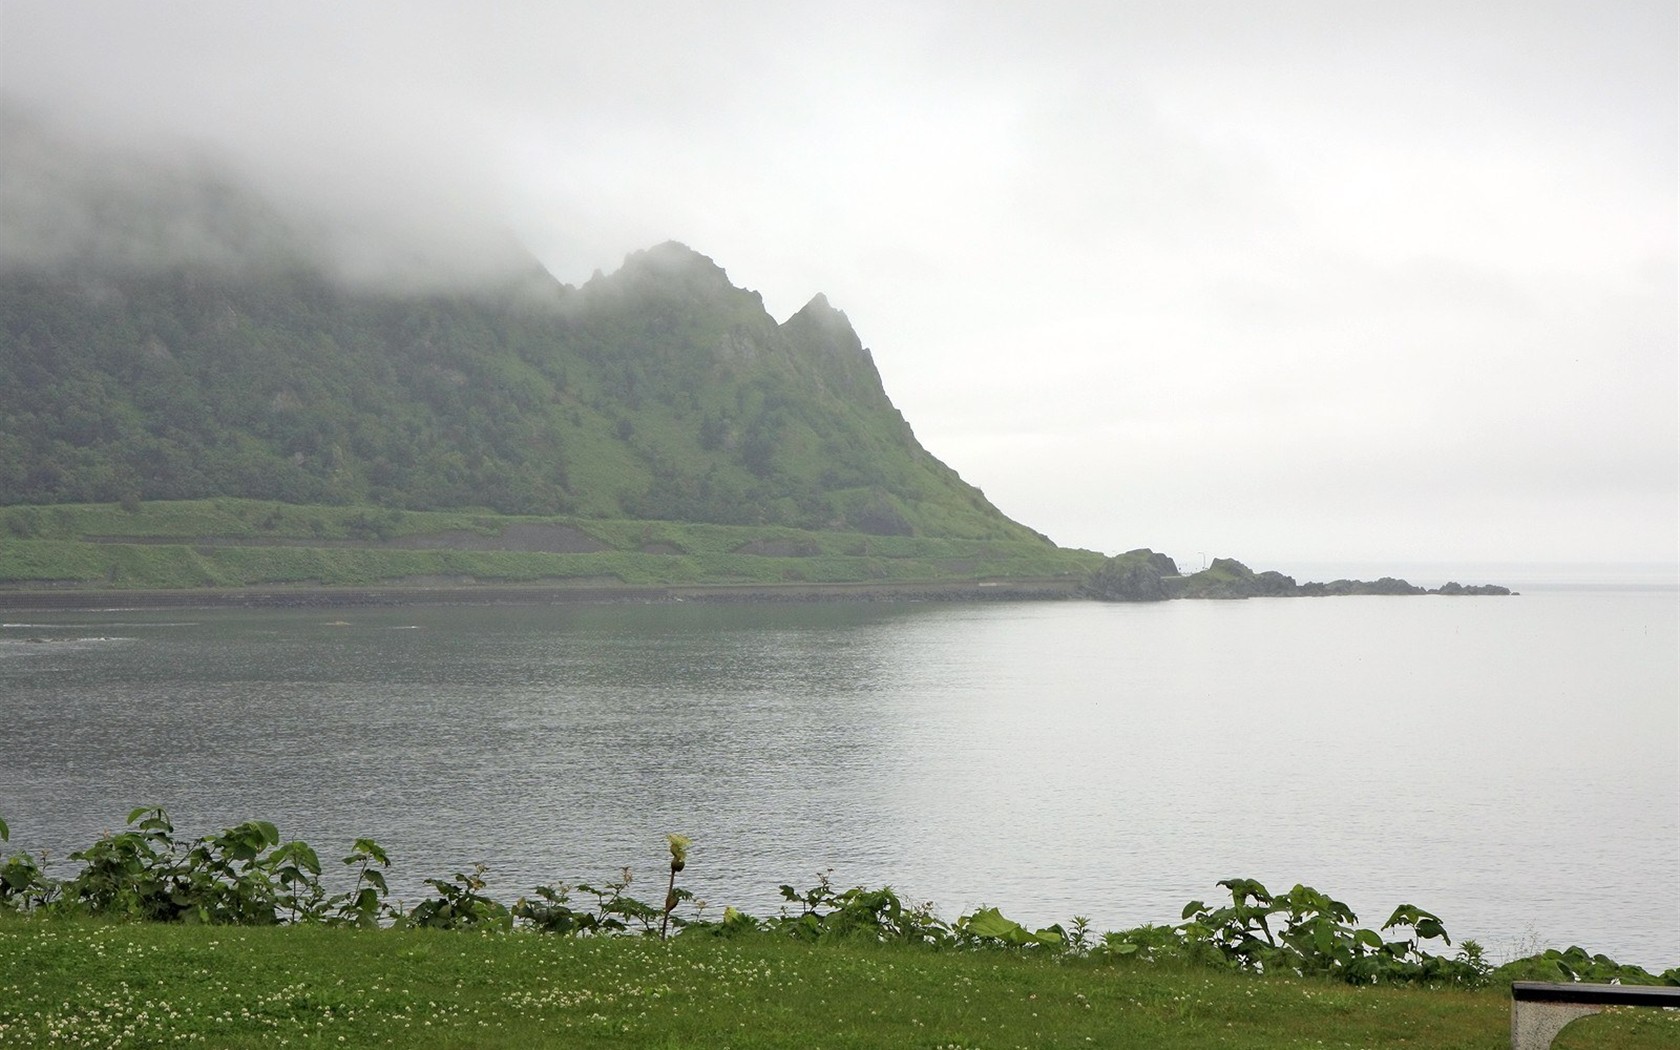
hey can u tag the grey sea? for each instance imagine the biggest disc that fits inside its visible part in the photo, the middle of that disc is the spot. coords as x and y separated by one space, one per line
1511 764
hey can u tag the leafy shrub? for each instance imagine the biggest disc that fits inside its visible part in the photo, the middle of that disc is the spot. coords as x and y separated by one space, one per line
24 522
871 914
989 925
364 903
246 876
1318 937
1577 964
23 885
126 875
459 905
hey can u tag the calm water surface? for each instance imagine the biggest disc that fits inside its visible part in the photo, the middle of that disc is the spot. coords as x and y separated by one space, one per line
1511 764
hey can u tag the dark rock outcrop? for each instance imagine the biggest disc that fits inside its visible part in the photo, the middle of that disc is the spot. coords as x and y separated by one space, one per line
1475 588
1228 578
1140 575
1385 585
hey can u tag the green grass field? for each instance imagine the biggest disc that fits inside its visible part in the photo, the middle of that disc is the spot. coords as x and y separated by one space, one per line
81 983
231 543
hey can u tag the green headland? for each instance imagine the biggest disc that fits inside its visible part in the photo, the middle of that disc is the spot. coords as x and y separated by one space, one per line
271 426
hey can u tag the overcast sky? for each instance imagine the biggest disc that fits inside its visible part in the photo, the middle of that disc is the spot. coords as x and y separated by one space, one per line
1293 282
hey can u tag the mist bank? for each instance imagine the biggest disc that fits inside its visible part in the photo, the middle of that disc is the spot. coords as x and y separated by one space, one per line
73 201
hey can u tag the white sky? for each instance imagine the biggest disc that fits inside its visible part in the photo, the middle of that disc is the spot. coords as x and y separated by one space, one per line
1339 281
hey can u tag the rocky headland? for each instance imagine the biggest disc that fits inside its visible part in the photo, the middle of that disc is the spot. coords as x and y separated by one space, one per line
1144 575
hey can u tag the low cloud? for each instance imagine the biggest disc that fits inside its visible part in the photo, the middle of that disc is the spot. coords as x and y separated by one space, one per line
1411 265
69 198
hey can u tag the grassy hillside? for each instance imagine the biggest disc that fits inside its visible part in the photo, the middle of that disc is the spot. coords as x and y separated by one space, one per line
243 543
661 392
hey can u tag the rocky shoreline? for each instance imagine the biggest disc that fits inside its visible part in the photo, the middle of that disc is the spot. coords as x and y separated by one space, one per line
1136 576
1145 576
81 600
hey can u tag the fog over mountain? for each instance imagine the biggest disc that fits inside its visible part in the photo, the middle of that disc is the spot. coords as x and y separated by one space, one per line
67 199
1300 281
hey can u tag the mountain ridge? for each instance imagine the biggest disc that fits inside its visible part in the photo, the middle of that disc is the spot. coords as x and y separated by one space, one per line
660 391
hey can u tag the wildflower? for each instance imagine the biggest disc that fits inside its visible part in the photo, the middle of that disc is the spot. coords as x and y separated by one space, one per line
679 850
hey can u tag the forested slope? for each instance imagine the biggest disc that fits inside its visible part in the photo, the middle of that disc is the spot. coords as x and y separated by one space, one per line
658 392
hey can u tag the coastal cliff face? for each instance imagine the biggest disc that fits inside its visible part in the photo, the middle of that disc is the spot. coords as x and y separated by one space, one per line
661 391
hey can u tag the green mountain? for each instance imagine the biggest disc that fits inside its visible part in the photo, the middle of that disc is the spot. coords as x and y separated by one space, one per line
659 392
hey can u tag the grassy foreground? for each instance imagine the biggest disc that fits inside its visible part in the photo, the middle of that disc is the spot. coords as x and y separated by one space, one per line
82 983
